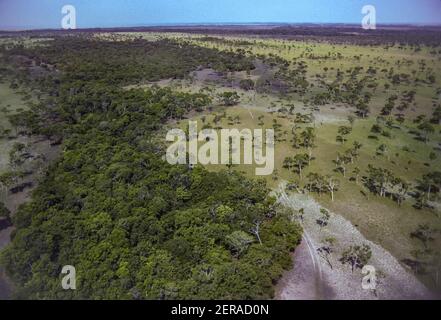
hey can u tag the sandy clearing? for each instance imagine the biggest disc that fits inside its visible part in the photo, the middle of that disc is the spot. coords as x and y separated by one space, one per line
339 282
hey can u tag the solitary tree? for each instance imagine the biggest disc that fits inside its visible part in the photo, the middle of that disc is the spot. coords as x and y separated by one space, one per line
356 256
332 184
324 219
398 190
229 98
343 131
382 150
427 129
341 162
378 180
300 161
430 182
316 183
356 171
258 218
424 233
326 250
308 139
362 109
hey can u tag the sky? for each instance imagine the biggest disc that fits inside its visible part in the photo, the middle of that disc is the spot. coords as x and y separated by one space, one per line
38 14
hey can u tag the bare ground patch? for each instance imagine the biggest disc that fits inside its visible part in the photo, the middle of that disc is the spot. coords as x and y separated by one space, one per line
339 282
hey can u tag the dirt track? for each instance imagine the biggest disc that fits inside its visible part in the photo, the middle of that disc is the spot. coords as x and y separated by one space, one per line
307 280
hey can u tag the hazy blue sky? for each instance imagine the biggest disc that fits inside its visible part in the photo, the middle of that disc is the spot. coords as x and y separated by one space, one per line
106 13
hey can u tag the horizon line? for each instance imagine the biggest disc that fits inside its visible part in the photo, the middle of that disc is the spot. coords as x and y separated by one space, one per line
183 24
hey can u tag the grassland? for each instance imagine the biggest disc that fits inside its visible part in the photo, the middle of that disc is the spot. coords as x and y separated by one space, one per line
380 220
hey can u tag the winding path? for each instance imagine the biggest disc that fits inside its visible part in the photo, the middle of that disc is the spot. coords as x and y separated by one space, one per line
316 276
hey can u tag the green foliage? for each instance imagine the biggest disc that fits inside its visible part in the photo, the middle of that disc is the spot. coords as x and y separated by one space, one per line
134 226
4 212
427 128
356 256
424 233
239 241
229 98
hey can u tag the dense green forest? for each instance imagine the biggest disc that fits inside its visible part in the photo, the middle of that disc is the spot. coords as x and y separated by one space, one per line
134 226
